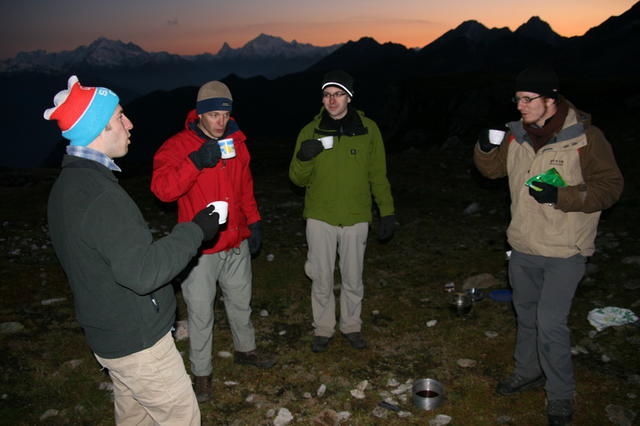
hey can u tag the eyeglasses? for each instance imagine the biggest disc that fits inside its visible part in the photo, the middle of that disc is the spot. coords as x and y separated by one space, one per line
327 95
525 99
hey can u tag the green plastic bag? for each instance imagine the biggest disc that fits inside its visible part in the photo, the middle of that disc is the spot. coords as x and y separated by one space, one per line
551 176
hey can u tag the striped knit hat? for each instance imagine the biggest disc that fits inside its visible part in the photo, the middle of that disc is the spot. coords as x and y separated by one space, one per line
82 112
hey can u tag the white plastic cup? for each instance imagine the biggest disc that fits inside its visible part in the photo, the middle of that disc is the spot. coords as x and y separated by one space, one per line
496 136
327 142
227 148
222 208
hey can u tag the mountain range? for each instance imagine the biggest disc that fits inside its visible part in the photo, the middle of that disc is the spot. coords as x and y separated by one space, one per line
458 81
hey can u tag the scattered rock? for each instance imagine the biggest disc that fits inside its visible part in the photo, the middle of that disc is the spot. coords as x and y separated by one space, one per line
605 358
577 350
282 332
632 285
271 412
321 390
392 382
466 363
264 313
230 383
284 417
490 334
270 257
344 415
440 420
10 327
619 415
52 301
357 393
404 414
402 388
472 208
432 323
49 413
306 395
503 420
73 364
631 260
224 354
375 312
108 386
484 280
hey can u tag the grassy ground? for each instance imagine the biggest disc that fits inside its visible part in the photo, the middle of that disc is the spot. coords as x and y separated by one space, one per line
49 366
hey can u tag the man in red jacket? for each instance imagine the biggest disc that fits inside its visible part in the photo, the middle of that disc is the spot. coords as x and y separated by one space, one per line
188 168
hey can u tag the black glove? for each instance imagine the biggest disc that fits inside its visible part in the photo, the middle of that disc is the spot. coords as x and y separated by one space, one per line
207 156
483 141
309 149
386 227
207 219
255 239
549 193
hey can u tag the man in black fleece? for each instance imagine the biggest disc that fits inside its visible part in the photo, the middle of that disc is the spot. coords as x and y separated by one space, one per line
118 274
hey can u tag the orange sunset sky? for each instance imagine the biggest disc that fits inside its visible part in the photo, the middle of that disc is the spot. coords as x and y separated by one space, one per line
199 26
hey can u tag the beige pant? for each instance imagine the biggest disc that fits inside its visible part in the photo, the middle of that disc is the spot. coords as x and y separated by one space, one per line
349 242
151 387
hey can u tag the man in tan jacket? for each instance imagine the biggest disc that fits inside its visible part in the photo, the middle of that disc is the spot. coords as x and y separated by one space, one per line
552 229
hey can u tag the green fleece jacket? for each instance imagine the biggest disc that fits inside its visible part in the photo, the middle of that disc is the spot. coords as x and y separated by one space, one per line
340 181
117 273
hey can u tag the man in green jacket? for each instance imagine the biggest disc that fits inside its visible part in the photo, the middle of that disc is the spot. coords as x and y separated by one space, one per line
118 274
552 229
340 173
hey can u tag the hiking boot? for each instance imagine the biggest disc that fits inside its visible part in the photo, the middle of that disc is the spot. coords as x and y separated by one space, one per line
559 412
356 340
254 357
202 388
320 344
516 383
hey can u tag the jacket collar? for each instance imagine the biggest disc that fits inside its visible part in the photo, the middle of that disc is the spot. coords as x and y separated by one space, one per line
349 125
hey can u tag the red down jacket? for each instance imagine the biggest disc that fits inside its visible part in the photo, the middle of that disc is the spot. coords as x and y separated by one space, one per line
175 177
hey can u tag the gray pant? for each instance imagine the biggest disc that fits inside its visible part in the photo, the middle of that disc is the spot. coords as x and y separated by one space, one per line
350 242
543 289
232 270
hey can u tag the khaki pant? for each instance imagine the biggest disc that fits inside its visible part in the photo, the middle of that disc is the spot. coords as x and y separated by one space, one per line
151 387
349 242
232 270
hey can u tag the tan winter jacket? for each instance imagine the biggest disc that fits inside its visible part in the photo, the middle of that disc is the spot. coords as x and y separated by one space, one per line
584 159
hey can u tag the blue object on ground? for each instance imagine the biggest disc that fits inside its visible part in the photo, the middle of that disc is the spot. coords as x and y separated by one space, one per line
500 295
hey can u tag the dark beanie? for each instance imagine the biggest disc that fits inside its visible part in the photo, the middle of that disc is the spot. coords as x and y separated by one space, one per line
540 80
338 78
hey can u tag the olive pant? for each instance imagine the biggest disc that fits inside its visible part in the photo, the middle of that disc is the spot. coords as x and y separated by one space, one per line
543 289
232 270
349 242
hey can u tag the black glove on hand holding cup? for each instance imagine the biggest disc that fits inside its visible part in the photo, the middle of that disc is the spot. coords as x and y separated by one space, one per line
207 219
483 141
207 156
548 195
309 149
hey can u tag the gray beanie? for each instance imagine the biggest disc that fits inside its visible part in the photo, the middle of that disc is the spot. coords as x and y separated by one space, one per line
214 96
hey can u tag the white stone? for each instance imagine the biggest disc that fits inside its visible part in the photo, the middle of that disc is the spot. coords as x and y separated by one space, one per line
230 383
431 323
54 300
270 257
321 390
375 312
357 393
363 385
402 388
282 332
284 417
271 412
440 420
466 363
392 382
343 415
404 414
224 354
306 395
490 334
49 413
264 313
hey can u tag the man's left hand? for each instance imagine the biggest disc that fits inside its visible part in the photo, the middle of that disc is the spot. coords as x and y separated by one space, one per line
548 194
386 227
255 239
